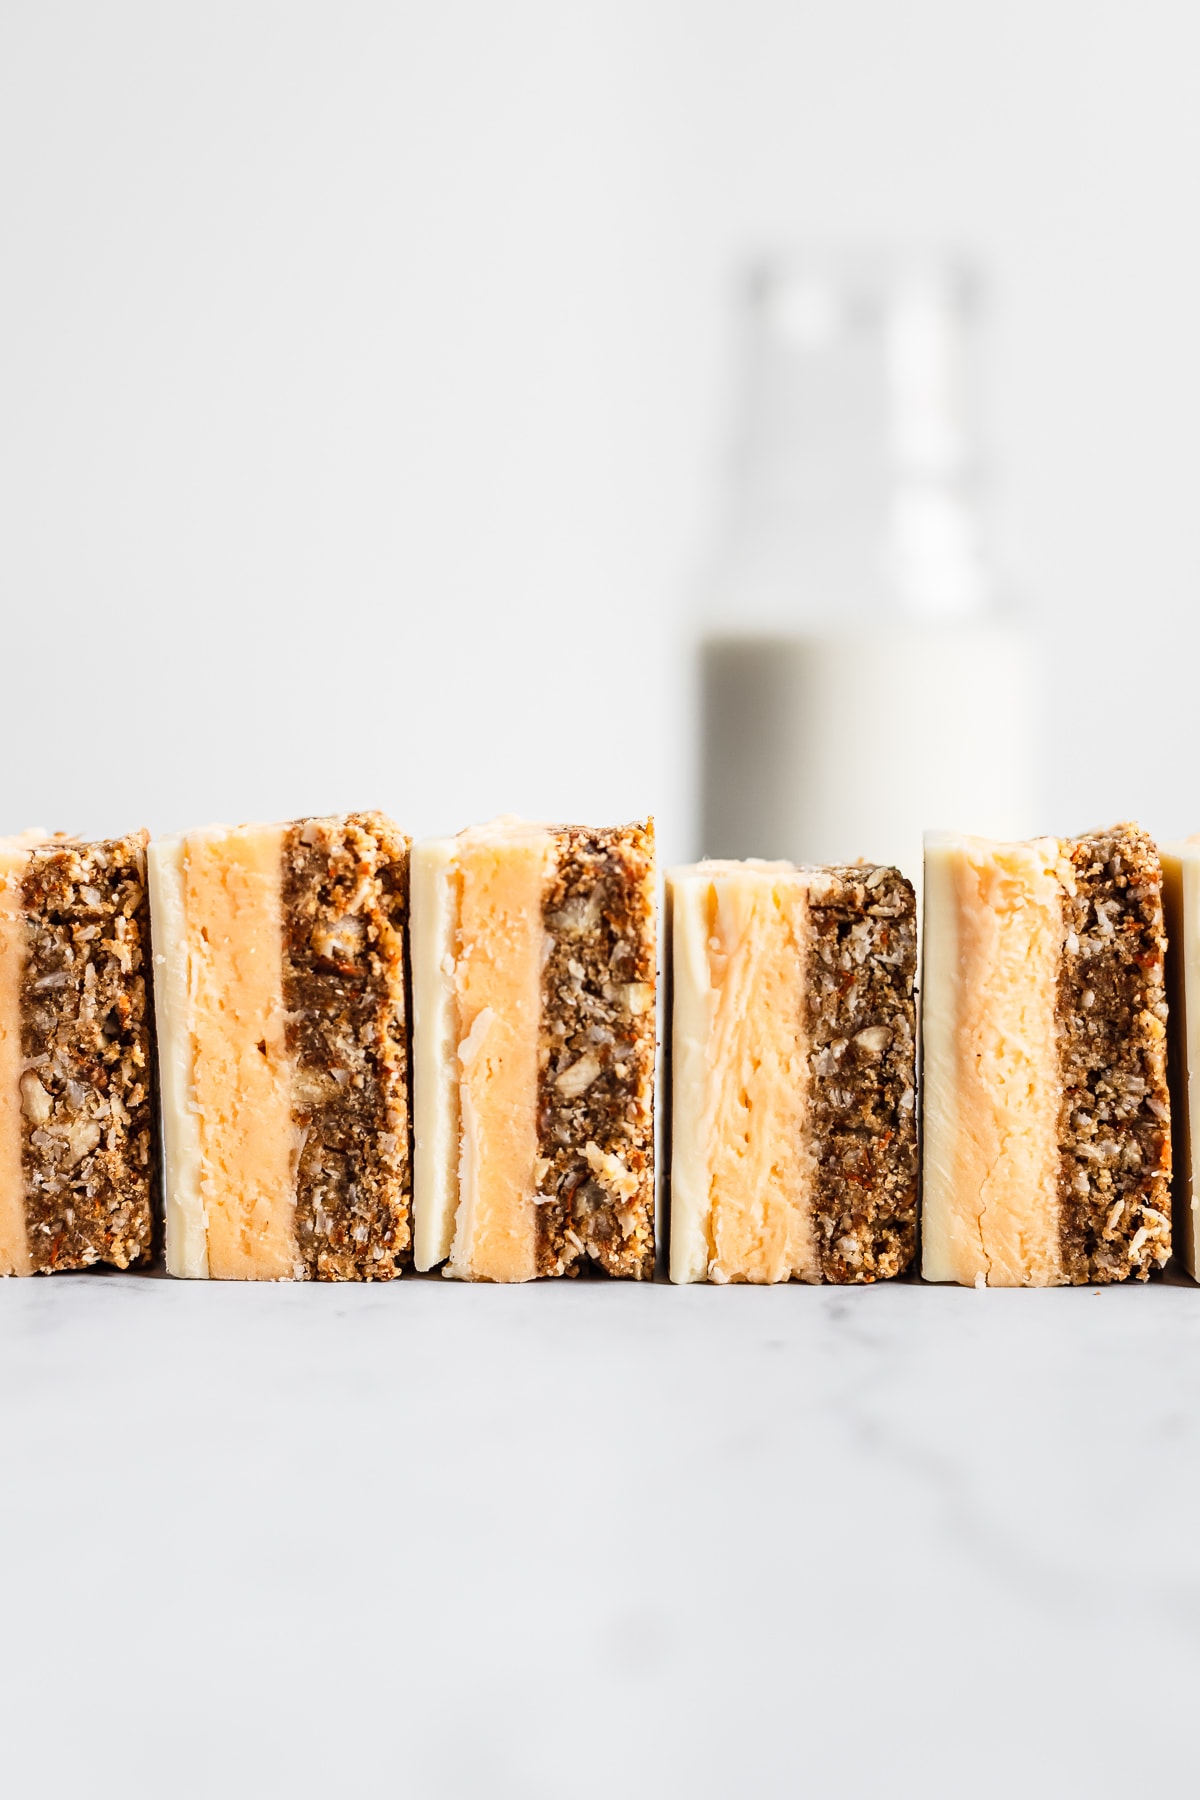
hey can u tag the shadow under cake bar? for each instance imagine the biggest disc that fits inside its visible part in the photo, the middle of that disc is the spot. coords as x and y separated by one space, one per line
76 1054
1046 1122
533 960
793 1073
280 962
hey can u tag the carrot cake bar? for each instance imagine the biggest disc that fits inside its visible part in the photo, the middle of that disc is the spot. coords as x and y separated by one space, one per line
533 951
793 1116
280 964
1046 1121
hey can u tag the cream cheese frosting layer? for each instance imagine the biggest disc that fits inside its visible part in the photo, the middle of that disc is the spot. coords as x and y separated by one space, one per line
994 937
478 945
741 1168
186 1235
231 1145
433 935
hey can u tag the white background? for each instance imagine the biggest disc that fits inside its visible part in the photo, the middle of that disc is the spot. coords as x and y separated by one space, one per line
365 379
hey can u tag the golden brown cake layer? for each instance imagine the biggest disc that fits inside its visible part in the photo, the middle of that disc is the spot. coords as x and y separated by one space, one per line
862 1120
344 904
595 1118
85 1083
1114 1125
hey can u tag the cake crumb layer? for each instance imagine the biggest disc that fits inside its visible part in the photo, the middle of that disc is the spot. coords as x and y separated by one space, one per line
88 1154
344 909
595 1174
1114 1124
862 963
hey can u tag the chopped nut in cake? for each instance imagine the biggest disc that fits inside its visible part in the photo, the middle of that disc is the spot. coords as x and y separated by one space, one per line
1046 1120
280 961
792 1083
534 1035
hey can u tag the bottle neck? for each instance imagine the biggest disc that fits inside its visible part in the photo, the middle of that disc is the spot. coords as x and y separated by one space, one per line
853 493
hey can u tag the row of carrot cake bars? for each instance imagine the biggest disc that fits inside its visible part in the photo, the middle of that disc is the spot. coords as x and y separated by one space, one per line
341 1055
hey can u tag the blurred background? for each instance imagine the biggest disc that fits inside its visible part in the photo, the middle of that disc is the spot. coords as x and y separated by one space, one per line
370 377
377 396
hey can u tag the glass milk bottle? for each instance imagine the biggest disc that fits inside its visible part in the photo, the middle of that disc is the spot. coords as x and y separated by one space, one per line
859 681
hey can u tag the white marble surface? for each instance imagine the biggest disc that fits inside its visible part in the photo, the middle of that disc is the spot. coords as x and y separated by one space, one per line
590 1539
